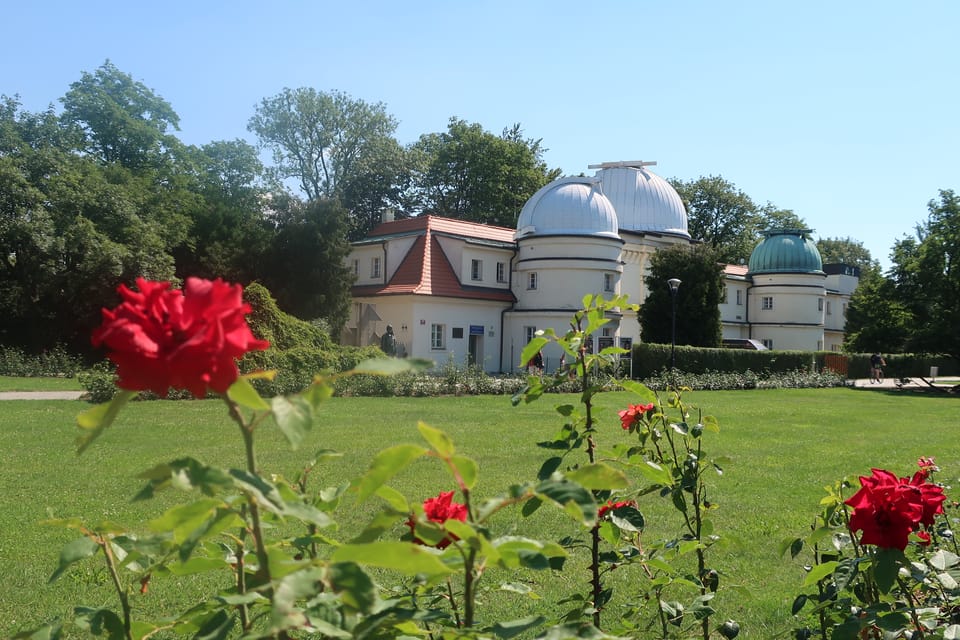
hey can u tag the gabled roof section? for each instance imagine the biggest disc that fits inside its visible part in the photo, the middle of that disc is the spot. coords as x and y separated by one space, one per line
445 226
425 270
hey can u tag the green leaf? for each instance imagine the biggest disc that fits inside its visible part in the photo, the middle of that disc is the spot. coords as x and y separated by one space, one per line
710 423
387 463
185 474
181 520
394 498
72 552
437 439
943 560
355 588
292 588
644 393
886 565
507 630
316 394
793 545
598 477
533 347
405 557
952 632
628 519
798 603
243 393
99 622
845 573
93 422
262 491
655 473
390 366
294 416
572 497
819 572
468 470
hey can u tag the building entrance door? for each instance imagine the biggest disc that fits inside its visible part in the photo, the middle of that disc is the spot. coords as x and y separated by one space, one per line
475 353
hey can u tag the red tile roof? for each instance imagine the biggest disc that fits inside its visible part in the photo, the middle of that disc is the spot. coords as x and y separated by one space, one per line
444 225
735 269
425 270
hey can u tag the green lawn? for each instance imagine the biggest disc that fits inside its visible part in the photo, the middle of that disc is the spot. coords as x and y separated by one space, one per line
12 383
784 445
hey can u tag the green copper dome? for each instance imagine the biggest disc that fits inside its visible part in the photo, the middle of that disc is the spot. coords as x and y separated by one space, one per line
786 251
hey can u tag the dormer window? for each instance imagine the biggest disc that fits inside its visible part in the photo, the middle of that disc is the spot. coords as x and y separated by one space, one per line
476 270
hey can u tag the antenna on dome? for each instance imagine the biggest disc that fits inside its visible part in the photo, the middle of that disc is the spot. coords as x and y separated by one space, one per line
632 164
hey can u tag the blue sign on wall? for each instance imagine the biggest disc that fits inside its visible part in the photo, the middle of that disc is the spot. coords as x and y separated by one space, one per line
476 329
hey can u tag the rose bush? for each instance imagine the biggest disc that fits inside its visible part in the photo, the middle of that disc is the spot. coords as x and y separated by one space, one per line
291 573
898 578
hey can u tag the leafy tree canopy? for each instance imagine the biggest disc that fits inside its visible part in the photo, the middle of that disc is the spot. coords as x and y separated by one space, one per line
471 174
319 138
721 215
846 251
697 299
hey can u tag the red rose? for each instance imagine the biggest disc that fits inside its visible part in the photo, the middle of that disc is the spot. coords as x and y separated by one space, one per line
931 497
888 508
633 414
439 510
161 338
611 506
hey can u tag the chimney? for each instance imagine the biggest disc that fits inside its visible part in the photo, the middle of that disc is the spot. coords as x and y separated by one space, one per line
387 215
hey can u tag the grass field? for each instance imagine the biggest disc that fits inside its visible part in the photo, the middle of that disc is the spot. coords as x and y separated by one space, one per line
785 446
12 383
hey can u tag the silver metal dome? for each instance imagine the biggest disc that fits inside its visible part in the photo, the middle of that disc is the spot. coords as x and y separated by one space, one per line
643 200
568 206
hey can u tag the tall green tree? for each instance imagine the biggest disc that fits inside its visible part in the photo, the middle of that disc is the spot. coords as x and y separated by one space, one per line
877 321
230 229
471 174
305 266
927 276
721 215
697 299
319 138
846 251
122 121
769 217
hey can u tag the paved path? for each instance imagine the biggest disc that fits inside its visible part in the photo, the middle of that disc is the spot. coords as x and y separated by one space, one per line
41 395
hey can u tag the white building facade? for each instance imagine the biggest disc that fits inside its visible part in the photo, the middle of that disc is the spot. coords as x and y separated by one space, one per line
475 294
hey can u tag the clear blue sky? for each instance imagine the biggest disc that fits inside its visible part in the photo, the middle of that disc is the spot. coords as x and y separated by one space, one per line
846 112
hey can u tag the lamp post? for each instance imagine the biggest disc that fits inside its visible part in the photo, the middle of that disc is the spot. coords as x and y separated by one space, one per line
674 285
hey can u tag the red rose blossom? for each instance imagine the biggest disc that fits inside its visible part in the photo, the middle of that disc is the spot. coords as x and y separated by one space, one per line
161 338
439 510
633 414
887 508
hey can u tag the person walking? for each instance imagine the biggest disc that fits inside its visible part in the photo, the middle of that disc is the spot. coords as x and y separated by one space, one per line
877 363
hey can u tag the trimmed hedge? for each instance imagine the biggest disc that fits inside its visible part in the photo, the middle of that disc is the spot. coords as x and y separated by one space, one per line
650 359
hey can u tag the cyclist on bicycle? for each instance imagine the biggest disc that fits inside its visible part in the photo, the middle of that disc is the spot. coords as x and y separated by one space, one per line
876 368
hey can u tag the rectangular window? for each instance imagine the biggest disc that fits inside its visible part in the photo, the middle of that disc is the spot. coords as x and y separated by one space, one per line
606 332
819 304
829 311
356 267
476 270
375 267
532 280
724 295
608 282
766 303
437 336
529 333
739 296
768 343
501 272
457 333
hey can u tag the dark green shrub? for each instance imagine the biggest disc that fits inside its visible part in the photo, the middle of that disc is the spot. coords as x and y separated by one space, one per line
99 382
52 363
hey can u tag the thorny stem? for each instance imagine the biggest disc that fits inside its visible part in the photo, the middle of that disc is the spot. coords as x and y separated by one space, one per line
918 635
453 604
596 585
256 529
104 542
469 579
242 574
